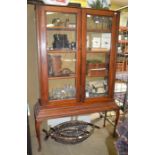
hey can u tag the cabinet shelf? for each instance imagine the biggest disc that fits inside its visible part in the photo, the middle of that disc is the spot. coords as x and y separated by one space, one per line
122 54
123 41
61 51
95 76
98 50
61 77
104 52
99 31
123 28
60 29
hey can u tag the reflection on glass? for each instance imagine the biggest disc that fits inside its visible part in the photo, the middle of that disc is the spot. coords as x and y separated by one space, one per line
61 49
97 58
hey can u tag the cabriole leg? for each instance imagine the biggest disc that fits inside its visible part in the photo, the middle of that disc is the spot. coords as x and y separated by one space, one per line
105 117
116 121
37 126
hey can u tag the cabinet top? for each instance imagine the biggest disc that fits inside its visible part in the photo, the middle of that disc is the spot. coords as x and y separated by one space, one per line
48 7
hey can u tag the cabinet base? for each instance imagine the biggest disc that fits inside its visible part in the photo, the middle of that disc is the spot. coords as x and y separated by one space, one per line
44 112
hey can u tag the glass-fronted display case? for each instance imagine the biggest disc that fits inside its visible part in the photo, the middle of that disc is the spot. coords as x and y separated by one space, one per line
76 59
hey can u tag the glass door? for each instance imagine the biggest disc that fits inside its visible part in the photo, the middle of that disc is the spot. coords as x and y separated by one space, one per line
97 55
62 49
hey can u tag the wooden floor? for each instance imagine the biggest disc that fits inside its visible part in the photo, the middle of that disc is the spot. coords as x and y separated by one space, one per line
100 142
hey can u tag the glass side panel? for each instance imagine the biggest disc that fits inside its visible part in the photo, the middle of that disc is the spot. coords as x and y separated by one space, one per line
61 49
97 55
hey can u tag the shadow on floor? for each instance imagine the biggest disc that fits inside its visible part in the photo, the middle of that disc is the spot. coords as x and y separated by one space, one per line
110 145
110 141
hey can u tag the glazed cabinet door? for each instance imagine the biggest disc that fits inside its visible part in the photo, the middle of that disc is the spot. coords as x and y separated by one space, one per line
98 52
59 40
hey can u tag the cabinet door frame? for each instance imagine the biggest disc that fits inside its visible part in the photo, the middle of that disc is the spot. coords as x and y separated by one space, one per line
42 52
112 62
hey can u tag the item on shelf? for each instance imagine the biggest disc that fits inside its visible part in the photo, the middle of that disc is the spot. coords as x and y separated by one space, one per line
57 22
96 69
97 19
56 65
66 72
82 3
88 41
106 41
58 93
49 48
96 42
56 2
68 91
102 23
96 87
67 22
100 90
97 72
50 69
99 4
96 84
126 49
60 41
119 66
100 41
119 37
73 45
123 39
122 66
119 49
72 25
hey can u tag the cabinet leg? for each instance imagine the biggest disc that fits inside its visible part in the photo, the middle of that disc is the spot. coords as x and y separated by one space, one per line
105 117
116 121
37 126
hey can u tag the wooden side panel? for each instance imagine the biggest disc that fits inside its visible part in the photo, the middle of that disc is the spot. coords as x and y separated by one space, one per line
78 58
42 54
83 69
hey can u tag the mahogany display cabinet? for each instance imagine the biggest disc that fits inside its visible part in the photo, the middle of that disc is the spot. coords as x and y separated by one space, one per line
77 59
